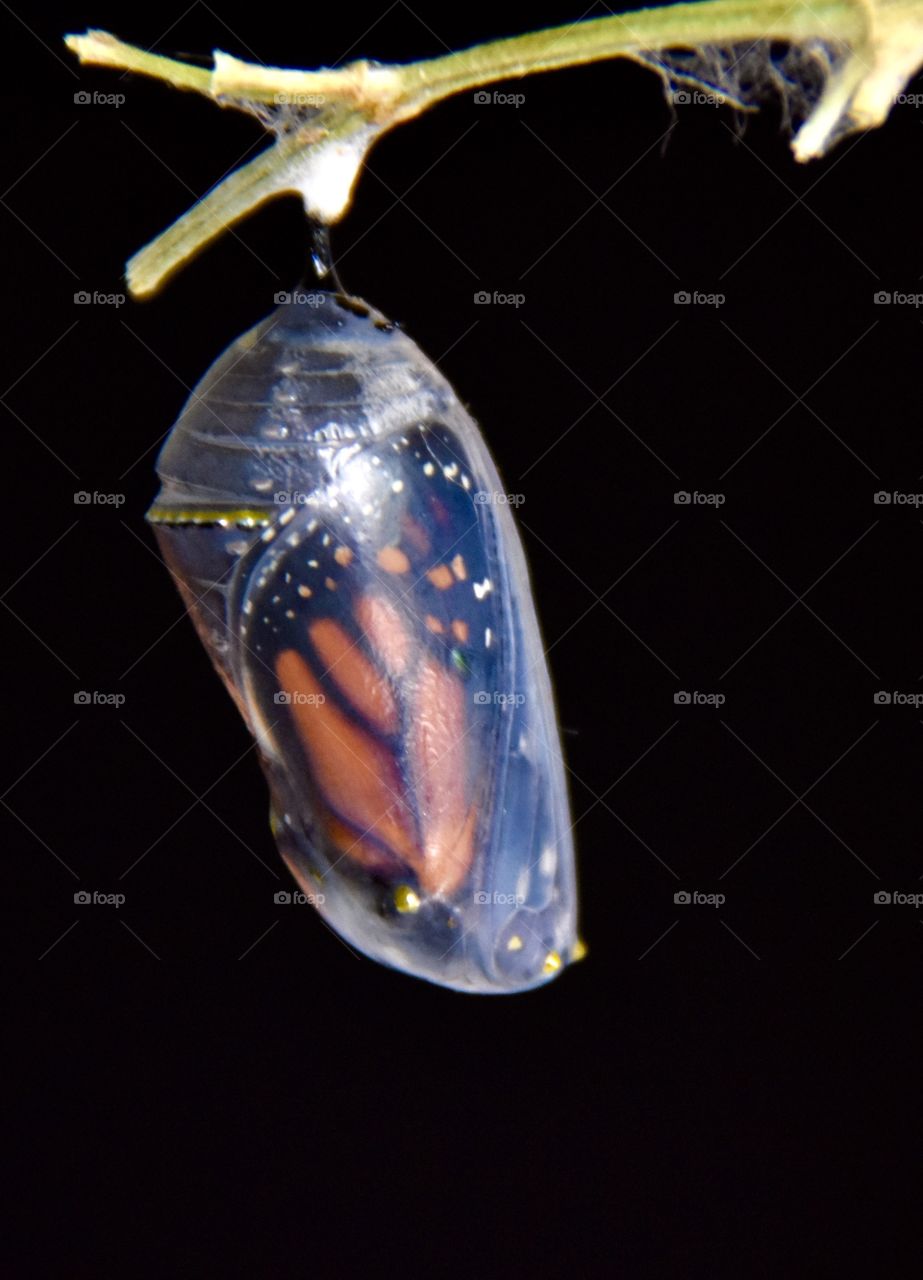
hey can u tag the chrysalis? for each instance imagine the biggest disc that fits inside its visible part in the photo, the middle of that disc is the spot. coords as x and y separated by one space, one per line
336 528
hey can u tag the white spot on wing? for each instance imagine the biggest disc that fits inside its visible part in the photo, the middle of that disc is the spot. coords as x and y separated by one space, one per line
522 883
548 862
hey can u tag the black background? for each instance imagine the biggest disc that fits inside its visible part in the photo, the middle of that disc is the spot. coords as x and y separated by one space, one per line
689 1099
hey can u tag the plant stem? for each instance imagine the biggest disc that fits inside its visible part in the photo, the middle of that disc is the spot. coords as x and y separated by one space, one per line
326 120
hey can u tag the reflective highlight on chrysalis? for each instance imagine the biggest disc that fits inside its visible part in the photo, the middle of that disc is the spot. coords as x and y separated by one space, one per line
328 510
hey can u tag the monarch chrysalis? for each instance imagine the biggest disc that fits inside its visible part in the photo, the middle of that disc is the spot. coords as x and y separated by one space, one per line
330 514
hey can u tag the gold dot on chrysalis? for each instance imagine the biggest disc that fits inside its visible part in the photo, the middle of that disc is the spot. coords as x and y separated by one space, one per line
579 951
406 900
552 963
515 943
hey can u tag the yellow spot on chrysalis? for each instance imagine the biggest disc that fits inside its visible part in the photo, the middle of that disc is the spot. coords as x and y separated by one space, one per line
330 584
434 624
392 560
580 950
460 631
406 900
552 962
458 568
305 592
515 943
441 577
343 556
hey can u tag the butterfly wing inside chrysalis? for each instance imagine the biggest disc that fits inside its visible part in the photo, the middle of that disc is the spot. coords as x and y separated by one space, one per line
383 647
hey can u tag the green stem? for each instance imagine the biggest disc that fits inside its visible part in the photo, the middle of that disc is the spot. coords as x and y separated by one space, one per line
104 50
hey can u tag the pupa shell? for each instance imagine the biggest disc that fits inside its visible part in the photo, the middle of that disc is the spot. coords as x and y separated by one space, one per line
339 534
